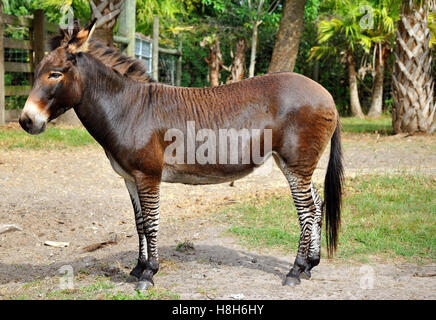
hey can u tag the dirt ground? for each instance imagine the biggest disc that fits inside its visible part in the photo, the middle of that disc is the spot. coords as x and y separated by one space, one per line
73 195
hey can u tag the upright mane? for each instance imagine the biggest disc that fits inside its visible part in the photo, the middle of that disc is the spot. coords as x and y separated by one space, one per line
132 68
129 67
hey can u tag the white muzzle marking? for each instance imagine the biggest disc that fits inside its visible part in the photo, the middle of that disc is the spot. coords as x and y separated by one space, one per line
35 112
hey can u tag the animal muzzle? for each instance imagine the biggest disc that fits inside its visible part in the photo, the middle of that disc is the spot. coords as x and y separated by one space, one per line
34 117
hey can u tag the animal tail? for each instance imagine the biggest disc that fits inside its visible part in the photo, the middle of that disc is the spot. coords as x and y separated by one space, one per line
333 191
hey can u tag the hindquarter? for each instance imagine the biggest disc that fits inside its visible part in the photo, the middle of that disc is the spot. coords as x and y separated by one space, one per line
308 120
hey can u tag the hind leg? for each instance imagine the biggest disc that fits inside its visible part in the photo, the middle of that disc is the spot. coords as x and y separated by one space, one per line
309 219
314 253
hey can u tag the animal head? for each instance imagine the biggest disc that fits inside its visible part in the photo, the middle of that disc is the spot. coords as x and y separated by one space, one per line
58 86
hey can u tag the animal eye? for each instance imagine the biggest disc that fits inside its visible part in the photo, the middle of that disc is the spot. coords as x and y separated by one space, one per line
55 75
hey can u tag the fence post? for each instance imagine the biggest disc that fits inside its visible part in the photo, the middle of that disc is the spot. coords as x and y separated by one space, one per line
2 71
155 56
126 25
179 65
38 35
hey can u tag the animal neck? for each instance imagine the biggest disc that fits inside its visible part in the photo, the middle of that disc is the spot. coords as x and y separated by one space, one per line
109 102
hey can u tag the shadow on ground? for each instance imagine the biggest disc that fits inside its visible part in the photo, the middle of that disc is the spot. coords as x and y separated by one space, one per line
214 255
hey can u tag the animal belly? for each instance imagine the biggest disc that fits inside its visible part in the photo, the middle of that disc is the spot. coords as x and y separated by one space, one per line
194 177
118 169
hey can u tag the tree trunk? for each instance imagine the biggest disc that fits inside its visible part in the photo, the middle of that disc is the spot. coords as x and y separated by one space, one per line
214 60
375 110
104 35
315 71
106 13
254 37
253 50
412 78
288 38
237 69
356 109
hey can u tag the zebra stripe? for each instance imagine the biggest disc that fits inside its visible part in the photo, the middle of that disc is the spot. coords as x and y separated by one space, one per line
139 220
315 244
150 201
304 200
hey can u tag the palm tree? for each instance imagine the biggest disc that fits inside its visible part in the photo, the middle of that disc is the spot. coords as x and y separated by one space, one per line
342 34
413 84
385 15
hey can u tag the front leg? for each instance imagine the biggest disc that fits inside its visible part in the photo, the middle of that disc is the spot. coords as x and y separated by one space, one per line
139 221
145 200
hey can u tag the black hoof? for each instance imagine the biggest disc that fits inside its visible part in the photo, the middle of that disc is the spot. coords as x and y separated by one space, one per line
313 261
144 285
290 281
137 272
305 274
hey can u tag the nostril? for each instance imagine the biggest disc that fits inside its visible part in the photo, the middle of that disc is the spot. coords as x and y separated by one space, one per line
25 122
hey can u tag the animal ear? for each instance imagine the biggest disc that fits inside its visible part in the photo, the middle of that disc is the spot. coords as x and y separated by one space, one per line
80 42
64 35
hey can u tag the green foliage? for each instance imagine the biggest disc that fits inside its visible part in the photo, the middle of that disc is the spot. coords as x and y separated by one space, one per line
52 8
167 10
217 5
340 30
55 9
386 13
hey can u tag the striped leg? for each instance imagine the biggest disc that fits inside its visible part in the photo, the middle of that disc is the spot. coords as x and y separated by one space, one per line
308 216
149 199
315 243
302 195
139 220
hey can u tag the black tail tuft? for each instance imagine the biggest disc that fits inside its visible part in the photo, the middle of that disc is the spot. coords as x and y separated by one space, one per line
333 191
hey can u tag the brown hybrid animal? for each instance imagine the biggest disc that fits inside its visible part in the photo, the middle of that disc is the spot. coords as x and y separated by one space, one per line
138 122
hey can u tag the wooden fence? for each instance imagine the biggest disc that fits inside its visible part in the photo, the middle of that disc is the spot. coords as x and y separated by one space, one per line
36 45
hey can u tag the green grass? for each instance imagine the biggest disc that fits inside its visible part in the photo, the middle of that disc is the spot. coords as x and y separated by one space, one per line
101 288
385 215
382 125
52 138
150 294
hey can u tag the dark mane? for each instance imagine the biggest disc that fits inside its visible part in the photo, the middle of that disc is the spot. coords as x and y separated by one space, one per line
132 68
129 67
